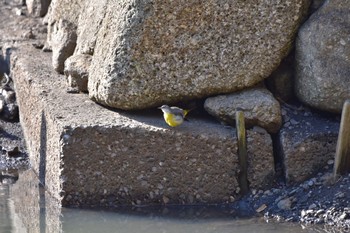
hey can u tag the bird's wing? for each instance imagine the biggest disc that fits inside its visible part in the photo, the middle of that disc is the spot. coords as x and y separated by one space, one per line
177 111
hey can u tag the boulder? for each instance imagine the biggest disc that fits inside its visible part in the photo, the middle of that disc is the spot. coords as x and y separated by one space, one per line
68 12
63 43
76 70
38 8
323 57
258 104
305 143
89 25
152 52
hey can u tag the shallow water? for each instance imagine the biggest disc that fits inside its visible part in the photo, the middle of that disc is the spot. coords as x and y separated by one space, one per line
25 207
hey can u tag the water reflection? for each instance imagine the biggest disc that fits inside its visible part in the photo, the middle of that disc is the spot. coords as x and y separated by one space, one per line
26 207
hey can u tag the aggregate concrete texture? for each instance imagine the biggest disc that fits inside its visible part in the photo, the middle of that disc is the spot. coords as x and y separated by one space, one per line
88 155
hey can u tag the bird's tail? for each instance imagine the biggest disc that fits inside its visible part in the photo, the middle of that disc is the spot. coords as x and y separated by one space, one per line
186 111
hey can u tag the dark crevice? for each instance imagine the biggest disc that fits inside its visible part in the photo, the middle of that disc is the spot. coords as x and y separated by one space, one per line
278 159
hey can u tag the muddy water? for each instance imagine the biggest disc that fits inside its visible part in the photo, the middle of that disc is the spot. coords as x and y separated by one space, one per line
25 207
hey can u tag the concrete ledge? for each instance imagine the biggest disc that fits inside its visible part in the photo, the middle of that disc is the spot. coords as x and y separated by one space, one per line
88 155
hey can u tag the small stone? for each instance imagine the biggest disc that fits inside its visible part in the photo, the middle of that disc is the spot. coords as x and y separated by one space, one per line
2 104
18 11
254 191
294 122
330 162
340 195
310 183
261 208
343 216
268 193
285 204
312 206
166 200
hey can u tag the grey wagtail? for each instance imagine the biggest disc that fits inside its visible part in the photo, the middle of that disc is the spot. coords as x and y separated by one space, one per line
173 116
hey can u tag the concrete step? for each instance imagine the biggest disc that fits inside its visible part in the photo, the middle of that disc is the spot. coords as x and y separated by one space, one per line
89 155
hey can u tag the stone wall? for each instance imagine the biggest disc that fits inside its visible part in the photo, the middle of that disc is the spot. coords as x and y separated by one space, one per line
132 55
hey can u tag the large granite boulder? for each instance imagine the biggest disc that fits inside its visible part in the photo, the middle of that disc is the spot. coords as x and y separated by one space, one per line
153 52
259 106
323 57
89 24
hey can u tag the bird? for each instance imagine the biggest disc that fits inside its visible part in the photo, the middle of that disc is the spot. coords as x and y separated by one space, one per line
173 116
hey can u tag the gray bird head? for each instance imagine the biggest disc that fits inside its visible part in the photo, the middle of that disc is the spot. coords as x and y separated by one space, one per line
165 108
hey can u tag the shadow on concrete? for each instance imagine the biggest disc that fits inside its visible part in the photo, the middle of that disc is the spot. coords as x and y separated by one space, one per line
42 155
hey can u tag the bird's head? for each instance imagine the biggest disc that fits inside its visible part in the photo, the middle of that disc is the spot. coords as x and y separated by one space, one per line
165 108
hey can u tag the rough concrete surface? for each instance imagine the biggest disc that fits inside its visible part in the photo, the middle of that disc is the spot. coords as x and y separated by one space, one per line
307 141
90 155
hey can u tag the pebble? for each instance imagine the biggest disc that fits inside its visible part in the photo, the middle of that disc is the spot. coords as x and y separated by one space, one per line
285 204
294 122
312 206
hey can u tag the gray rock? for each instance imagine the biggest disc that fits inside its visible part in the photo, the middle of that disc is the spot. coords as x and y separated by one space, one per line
306 148
68 11
259 106
63 44
38 7
323 57
2 104
89 25
76 70
152 52
285 204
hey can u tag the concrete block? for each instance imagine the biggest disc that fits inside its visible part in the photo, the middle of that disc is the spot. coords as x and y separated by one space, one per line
88 155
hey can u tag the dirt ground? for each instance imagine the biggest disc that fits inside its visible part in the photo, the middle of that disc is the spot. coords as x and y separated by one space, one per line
319 200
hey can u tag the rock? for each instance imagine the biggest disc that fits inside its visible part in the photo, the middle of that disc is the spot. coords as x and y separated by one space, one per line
306 147
76 70
8 94
10 112
323 57
63 44
169 51
285 204
2 104
38 8
67 11
89 25
259 106
261 208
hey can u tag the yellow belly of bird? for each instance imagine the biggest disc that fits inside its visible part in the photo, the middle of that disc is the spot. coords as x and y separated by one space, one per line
173 120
